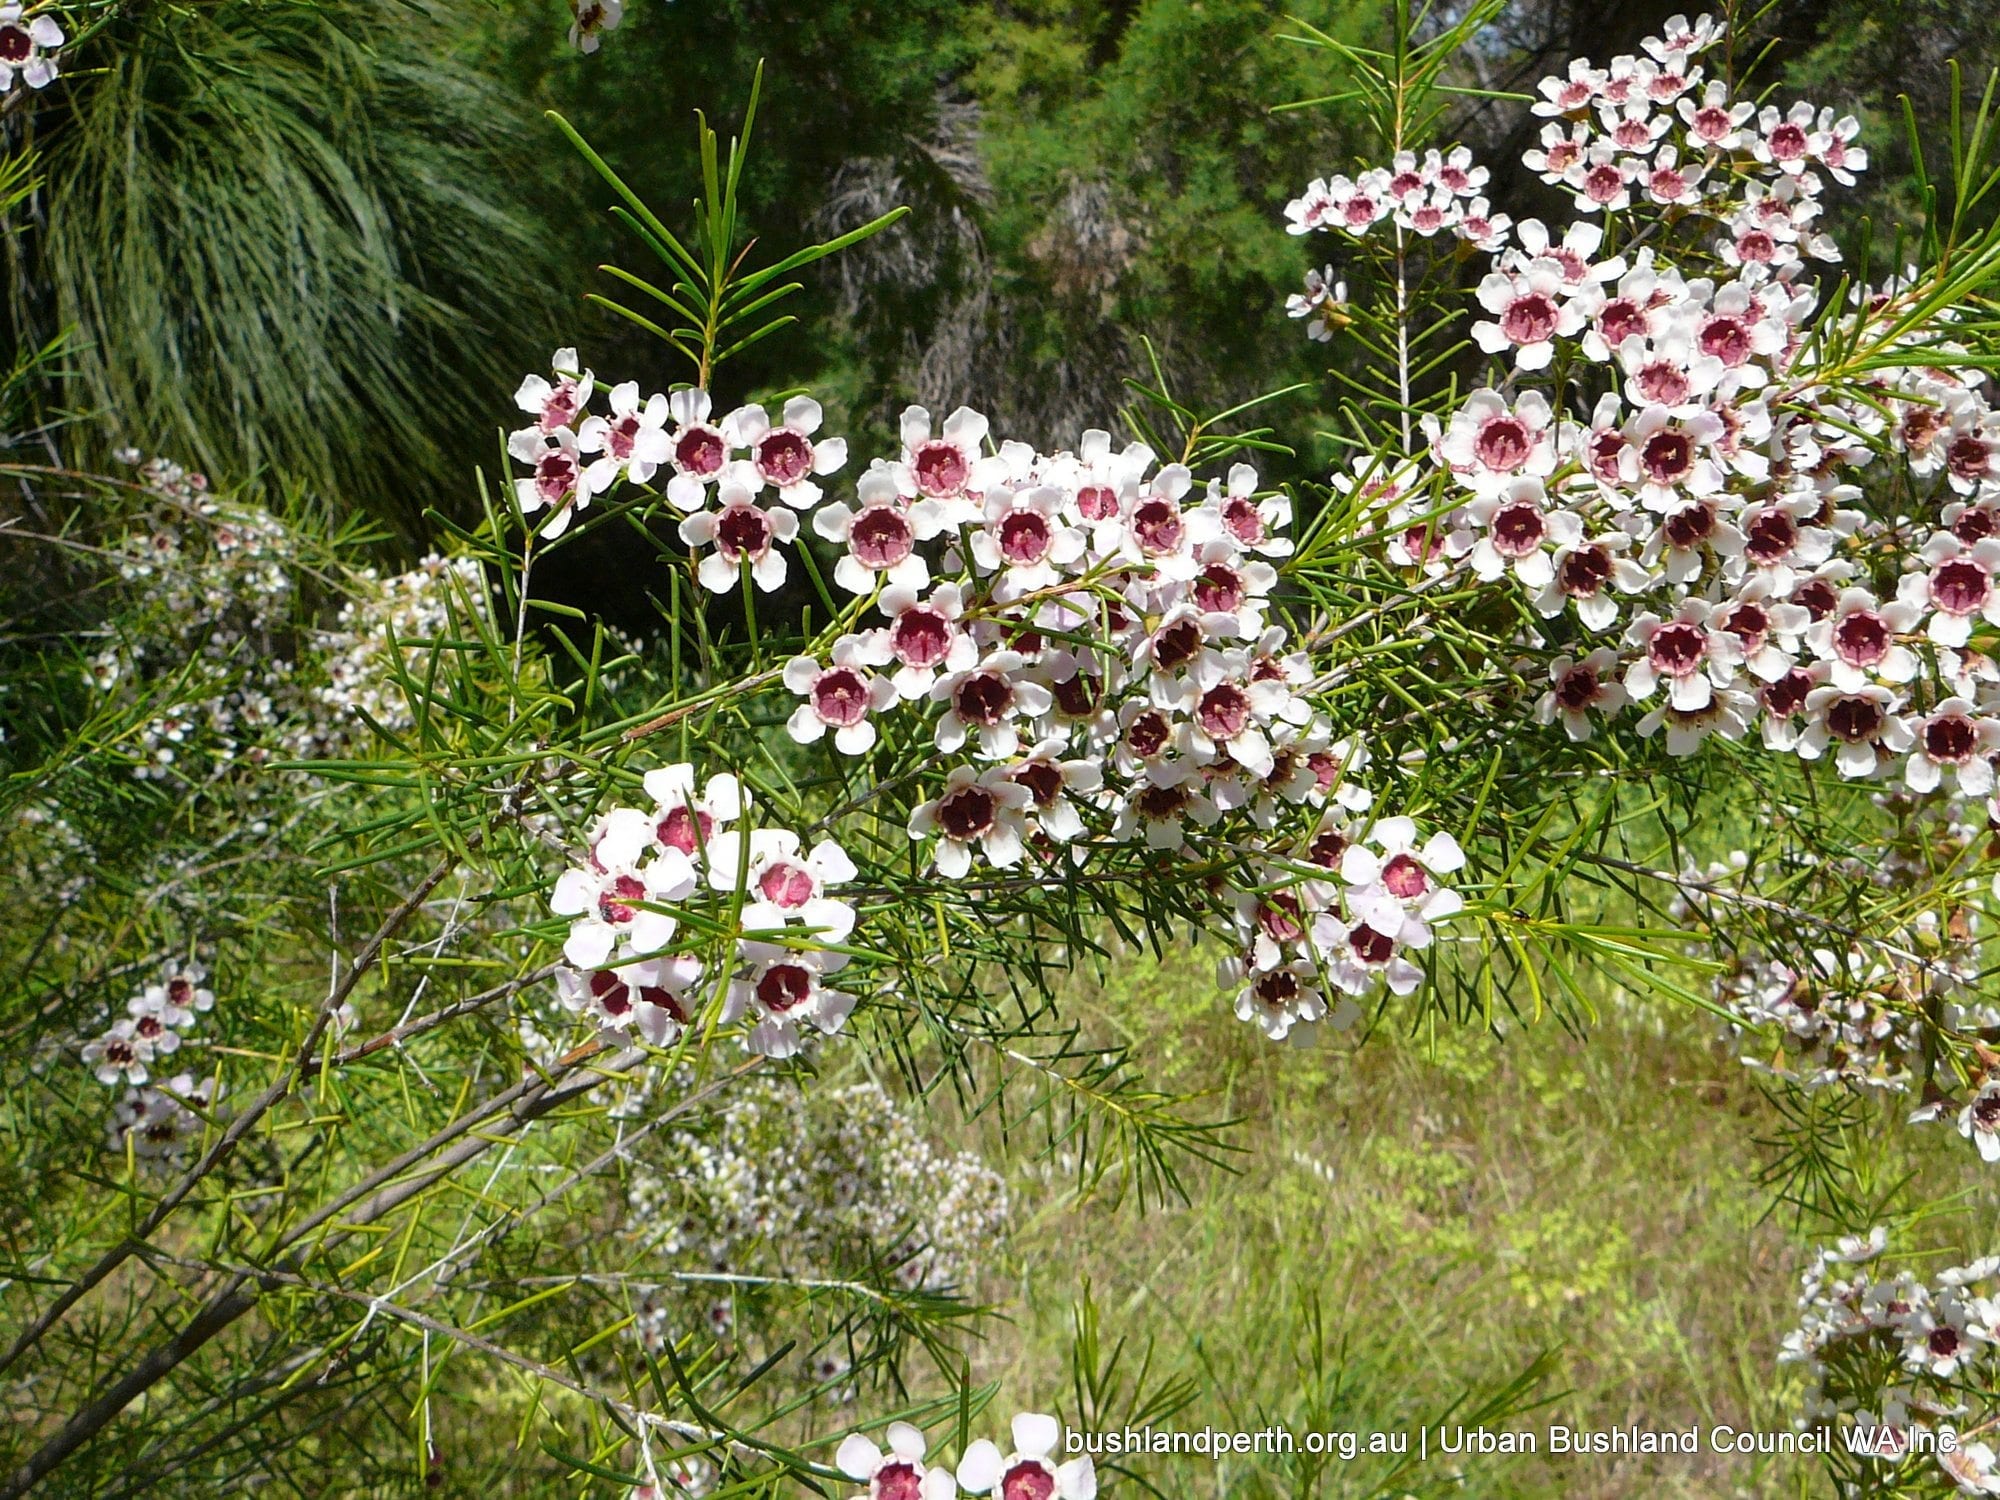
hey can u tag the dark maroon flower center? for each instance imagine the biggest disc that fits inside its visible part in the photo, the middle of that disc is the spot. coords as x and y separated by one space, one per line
1585 571
1529 319
1177 644
150 1028
700 450
1788 142
1577 689
1224 712
1370 946
180 991
1278 918
1218 590
742 531
1029 1479
16 46
1277 989
784 987
1518 529
897 1480
555 475
1690 527
1726 339
1770 536
787 883
1620 319
1974 524
1604 451
1967 457
1861 638
1404 878
1327 847
921 637
1503 444
1748 623
1960 586
1148 733
1787 695
1817 598
119 1052
784 457
1950 739
611 993
1856 720
967 813
1042 778
1603 182
880 537
1244 520
1943 1342
1157 526
1678 647
840 697
1161 804
1025 537
621 437
941 469
1076 697
983 699
1986 1112
1668 456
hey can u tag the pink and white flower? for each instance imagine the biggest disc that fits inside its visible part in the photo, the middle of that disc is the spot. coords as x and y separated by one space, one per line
1030 1472
839 696
986 808
899 1472
784 455
633 439
781 884
783 991
741 531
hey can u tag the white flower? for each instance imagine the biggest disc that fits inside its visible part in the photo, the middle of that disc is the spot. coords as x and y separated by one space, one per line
593 19
1252 524
559 483
1578 687
988 809
785 456
1489 443
633 439
1024 540
26 47
924 637
1979 1121
949 467
1049 778
784 990
839 696
700 450
120 1055
741 531
1954 735
607 899
1529 313
899 1473
683 821
985 700
1030 1472
554 404
782 885
881 535
1395 887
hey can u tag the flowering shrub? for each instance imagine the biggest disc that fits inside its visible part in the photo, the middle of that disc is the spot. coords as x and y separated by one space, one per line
1651 538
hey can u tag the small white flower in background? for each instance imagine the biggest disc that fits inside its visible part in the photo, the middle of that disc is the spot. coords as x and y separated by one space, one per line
1323 303
27 47
839 696
160 1120
785 456
897 1474
121 1055
592 19
1030 1472
783 990
1973 1468
153 1023
183 993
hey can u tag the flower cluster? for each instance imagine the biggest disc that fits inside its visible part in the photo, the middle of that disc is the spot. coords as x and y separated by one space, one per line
1436 192
28 46
153 1027
1699 521
1892 1356
638 865
784 1184
1027 1469
1086 636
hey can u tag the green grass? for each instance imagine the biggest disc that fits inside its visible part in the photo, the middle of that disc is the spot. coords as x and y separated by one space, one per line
1455 1206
